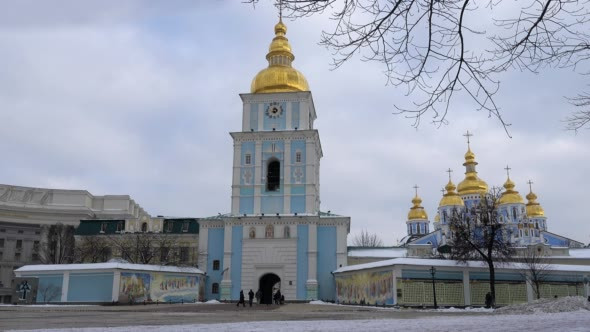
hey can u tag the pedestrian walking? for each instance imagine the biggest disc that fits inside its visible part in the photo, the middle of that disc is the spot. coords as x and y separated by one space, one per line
488 300
258 296
242 300
250 297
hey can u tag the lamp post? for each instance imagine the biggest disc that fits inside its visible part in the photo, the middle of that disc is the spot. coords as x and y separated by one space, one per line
433 272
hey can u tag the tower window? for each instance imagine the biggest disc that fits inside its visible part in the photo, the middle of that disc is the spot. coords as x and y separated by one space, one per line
286 232
298 157
248 159
144 227
216 265
215 288
273 176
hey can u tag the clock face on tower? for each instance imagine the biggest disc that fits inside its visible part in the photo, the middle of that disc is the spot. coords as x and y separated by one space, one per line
274 110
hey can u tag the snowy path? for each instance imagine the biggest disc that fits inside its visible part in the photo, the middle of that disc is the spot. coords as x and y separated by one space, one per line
578 321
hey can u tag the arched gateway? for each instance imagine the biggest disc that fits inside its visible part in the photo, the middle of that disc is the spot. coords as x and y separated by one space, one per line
268 285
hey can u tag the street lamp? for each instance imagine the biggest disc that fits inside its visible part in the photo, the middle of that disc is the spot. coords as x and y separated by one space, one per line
433 272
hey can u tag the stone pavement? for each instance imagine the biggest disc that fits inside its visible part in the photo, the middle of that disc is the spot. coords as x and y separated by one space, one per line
37 317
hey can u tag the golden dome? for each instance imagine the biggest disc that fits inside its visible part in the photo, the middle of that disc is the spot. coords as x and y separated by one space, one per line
510 196
472 184
451 197
279 76
533 208
417 211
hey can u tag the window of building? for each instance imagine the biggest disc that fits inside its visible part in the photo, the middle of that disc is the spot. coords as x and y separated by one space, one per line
170 227
273 176
1 255
183 255
20 231
215 288
37 232
19 244
252 233
36 245
120 226
287 232
1 243
144 227
216 265
164 251
185 226
2 230
17 256
298 157
103 227
269 232
248 159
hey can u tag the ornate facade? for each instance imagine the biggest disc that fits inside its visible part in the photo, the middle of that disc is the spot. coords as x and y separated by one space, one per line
275 235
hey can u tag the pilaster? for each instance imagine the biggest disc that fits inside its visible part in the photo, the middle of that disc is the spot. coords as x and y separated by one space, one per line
64 286
466 289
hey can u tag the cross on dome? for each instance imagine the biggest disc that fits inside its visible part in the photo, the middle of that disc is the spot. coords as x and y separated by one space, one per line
416 189
468 134
449 171
530 183
507 170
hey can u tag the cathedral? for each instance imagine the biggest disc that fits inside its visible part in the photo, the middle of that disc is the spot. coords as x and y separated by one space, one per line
275 235
526 222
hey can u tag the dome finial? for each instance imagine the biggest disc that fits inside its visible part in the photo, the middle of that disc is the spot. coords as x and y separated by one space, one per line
468 134
507 168
279 76
533 208
530 183
417 211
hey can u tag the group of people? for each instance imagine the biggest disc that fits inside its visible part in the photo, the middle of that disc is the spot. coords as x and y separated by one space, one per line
277 298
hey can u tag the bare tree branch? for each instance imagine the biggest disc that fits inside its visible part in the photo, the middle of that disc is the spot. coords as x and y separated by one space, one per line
366 239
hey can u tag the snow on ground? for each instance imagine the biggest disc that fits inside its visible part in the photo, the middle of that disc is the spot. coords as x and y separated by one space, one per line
562 304
564 321
212 302
46 305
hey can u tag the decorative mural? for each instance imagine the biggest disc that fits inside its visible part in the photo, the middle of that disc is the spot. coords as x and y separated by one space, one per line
135 287
369 288
170 288
161 287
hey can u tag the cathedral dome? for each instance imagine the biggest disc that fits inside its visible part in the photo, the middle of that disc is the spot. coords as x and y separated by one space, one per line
279 76
472 184
533 208
510 196
451 198
417 211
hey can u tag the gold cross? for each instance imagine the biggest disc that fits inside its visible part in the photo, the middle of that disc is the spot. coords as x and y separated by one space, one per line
449 171
416 188
507 170
530 185
468 134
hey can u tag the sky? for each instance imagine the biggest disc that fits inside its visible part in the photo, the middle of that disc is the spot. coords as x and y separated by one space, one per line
138 98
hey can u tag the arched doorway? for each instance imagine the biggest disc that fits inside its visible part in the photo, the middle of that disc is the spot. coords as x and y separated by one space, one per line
268 285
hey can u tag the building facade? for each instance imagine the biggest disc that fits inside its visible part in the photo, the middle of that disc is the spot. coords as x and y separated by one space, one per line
275 235
26 213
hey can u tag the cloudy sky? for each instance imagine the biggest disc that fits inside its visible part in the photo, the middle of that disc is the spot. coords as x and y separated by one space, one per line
138 97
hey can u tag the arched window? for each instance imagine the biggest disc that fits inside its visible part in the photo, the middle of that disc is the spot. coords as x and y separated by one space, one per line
273 175
215 288
216 265
144 227
269 232
514 213
298 157
286 232
252 233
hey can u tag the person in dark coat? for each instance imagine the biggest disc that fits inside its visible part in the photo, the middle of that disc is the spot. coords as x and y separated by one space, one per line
242 300
488 300
258 296
250 297
278 297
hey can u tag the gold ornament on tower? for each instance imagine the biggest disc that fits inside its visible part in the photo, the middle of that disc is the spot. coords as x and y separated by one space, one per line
280 76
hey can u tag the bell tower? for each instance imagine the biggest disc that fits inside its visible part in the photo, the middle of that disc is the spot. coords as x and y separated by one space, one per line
277 154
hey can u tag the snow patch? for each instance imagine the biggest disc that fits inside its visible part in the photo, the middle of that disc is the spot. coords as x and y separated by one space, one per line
563 304
212 302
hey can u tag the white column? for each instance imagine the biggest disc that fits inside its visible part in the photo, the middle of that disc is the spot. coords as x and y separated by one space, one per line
246 117
530 293
258 177
466 289
64 286
203 245
287 178
341 247
312 260
236 170
116 285
226 282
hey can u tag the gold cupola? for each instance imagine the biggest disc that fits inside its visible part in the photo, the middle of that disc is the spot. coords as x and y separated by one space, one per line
533 208
451 198
510 196
472 184
417 211
279 76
